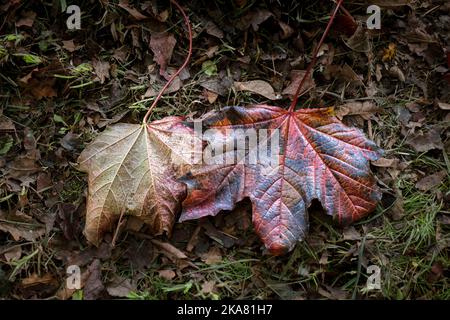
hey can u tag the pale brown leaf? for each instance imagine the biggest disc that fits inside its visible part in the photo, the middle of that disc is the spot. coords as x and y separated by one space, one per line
259 87
131 171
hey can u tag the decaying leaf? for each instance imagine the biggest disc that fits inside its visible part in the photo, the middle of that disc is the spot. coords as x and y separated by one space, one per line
429 182
131 172
260 87
101 69
132 11
162 46
296 77
357 108
426 141
319 158
254 18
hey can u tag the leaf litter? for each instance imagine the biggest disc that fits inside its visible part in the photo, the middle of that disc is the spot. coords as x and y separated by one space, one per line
407 168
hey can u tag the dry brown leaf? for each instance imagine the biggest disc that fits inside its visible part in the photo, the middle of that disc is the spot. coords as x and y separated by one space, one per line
35 279
423 142
170 249
213 30
296 77
398 73
286 29
42 88
259 87
385 163
208 287
162 46
101 69
213 256
167 274
69 45
94 287
356 108
359 41
444 106
429 182
27 19
131 172
350 233
131 10
120 287
13 253
210 96
19 232
254 18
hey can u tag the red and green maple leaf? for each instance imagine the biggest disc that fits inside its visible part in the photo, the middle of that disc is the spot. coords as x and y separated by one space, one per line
319 158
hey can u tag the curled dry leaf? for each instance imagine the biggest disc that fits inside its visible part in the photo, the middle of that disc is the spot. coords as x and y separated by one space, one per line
444 106
357 108
132 171
319 158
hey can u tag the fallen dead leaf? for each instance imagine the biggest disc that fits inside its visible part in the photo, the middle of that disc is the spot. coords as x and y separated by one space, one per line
131 10
208 287
356 108
287 30
213 30
429 182
162 46
132 171
169 249
13 254
213 256
19 231
167 274
296 77
343 184
423 142
260 87
444 106
35 279
385 163
350 233
70 46
359 41
27 19
398 73
120 287
210 96
254 18
94 288
101 69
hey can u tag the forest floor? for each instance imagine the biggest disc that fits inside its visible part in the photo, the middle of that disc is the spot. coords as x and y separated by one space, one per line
59 88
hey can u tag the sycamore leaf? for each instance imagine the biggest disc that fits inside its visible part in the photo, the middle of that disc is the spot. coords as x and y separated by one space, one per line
318 158
132 171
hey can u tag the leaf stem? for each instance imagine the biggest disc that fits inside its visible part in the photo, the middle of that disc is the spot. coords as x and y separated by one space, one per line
161 92
314 58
